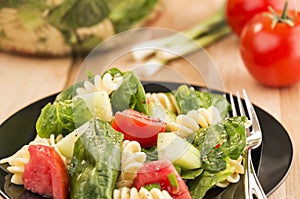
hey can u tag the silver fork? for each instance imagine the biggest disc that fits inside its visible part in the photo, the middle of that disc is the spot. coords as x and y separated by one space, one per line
254 140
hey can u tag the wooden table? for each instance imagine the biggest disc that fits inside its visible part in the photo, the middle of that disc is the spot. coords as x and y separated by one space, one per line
24 80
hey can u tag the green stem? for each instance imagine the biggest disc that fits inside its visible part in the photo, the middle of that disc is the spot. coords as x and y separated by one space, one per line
284 18
209 39
188 41
190 45
284 12
205 25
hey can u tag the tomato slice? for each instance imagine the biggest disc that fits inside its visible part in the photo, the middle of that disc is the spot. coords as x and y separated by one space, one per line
139 127
158 172
46 173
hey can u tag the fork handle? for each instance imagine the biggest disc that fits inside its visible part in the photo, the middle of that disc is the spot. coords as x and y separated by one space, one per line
251 182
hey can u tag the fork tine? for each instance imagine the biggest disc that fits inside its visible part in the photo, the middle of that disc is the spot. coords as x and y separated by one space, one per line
241 107
242 110
251 111
234 113
254 137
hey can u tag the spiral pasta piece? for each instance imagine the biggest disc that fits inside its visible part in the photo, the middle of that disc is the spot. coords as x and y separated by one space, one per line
18 160
133 193
107 83
132 159
235 176
186 125
167 101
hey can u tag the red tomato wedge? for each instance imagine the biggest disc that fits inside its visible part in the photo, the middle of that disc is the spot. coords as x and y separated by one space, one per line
46 173
139 127
159 172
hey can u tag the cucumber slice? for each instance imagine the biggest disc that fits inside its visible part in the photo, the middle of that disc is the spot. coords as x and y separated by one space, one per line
157 111
177 150
66 144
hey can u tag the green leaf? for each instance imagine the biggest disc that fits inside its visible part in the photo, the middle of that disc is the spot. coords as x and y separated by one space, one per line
74 14
216 142
114 72
190 99
69 92
151 153
210 99
199 186
127 13
30 14
30 4
62 117
96 162
187 99
130 95
236 137
191 174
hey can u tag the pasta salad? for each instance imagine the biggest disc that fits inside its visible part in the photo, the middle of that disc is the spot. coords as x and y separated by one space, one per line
107 138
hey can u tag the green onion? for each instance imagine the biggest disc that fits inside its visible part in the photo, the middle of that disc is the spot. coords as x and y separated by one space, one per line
201 35
174 183
151 186
159 52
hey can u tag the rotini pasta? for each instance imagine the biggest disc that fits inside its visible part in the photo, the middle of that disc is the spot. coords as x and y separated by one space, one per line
108 83
18 160
235 176
186 125
133 193
167 101
132 159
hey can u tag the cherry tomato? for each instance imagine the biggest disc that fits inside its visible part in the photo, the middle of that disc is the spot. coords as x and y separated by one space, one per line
139 127
272 55
239 12
45 173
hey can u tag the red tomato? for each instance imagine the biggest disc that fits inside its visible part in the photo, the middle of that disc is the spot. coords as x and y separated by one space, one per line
239 12
157 172
45 173
139 127
272 55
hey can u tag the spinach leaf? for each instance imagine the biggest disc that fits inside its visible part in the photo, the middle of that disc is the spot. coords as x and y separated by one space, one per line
216 142
114 72
28 4
211 99
96 161
190 99
130 95
199 186
62 117
236 137
125 14
69 92
151 153
73 14
187 99
191 174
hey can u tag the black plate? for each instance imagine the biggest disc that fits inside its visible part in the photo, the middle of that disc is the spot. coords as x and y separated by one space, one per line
272 161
